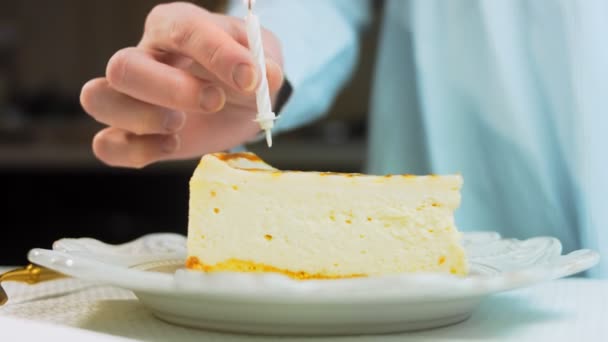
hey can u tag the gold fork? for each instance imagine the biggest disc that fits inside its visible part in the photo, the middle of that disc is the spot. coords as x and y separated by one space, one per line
31 274
34 274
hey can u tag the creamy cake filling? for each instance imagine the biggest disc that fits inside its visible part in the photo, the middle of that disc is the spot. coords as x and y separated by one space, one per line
246 216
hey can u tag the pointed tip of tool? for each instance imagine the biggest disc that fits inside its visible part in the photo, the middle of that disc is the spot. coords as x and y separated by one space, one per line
269 138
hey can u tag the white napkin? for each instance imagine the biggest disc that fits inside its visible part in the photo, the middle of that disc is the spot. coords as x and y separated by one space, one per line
26 330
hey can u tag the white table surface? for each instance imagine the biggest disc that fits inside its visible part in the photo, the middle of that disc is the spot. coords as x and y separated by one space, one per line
69 309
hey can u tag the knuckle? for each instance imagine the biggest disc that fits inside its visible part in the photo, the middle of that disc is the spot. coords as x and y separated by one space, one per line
181 95
118 66
214 56
153 18
182 32
158 11
234 26
162 14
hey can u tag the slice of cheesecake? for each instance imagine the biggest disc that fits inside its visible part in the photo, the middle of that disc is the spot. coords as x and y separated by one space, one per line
246 216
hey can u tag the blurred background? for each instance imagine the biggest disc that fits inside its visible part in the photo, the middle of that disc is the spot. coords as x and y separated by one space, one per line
53 186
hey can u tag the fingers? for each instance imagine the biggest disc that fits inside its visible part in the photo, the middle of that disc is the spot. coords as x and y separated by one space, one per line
203 134
148 90
116 109
117 147
135 73
274 73
235 27
112 108
189 30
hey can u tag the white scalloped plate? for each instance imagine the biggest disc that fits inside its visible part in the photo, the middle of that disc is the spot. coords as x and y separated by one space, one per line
152 266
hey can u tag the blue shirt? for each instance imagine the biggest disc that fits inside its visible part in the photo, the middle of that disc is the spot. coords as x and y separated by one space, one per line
512 94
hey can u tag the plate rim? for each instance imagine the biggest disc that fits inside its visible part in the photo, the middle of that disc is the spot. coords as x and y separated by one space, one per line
147 282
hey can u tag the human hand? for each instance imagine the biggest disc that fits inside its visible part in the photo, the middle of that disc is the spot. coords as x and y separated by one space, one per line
187 88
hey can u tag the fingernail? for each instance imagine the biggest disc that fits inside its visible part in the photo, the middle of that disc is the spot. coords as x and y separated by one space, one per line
245 77
170 144
174 121
212 99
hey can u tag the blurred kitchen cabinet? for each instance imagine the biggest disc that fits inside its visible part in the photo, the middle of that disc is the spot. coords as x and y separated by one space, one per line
66 42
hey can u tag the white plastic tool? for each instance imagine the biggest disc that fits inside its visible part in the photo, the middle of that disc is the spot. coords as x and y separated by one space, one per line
266 116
